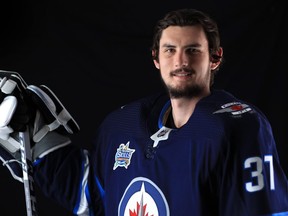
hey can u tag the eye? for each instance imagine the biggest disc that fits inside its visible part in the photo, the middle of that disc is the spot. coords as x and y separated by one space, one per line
169 50
192 51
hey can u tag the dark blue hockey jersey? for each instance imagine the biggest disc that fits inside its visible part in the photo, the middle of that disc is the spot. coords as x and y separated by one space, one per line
222 162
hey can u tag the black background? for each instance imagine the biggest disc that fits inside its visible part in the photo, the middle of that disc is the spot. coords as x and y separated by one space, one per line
96 56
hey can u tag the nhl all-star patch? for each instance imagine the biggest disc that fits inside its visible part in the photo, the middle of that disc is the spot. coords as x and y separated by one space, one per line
123 156
235 108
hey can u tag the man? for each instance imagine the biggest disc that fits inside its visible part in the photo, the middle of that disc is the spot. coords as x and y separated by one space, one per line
192 150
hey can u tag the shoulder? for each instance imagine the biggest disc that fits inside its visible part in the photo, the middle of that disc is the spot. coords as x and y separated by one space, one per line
142 105
148 102
226 103
138 110
237 111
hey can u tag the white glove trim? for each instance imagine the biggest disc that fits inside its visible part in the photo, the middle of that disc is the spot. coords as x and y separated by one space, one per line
8 86
6 163
53 108
45 129
10 144
7 109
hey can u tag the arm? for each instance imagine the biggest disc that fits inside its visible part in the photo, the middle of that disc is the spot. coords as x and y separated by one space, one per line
62 170
254 182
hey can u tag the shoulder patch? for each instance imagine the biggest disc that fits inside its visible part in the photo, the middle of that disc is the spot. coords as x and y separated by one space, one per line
235 108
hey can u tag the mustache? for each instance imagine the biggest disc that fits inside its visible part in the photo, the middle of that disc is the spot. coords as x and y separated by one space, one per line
181 70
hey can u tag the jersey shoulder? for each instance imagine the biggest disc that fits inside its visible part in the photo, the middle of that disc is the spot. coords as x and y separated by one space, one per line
226 103
138 112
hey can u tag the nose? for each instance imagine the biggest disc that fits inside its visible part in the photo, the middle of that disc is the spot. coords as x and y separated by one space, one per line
185 64
181 60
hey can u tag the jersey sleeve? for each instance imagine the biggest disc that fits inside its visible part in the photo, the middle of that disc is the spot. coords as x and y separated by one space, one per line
253 182
66 177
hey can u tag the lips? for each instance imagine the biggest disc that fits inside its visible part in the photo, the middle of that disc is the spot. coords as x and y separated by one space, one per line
182 72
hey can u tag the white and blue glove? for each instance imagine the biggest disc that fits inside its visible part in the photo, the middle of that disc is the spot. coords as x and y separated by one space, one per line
37 109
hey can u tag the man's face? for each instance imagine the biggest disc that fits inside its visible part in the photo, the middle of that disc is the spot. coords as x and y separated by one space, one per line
184 61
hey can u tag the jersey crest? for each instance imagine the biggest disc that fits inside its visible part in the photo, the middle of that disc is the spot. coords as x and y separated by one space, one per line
143 197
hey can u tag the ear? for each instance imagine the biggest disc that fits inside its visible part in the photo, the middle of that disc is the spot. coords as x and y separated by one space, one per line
156 63
216 58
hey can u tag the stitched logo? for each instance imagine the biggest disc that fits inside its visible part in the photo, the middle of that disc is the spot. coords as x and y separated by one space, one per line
235 108
143 197
123 156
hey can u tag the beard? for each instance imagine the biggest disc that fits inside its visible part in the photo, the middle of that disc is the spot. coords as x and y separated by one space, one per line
188 92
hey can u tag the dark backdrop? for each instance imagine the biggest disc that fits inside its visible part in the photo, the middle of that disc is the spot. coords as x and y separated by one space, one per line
96 56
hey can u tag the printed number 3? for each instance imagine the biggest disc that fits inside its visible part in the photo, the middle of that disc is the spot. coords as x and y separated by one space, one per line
257 174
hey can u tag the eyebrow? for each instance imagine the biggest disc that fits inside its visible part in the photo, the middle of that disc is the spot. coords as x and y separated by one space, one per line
194 45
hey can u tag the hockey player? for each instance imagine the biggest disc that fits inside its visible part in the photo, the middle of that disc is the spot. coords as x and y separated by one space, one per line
192 150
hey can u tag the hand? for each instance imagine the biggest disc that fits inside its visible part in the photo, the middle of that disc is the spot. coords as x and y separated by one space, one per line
37 109
14 117
18 110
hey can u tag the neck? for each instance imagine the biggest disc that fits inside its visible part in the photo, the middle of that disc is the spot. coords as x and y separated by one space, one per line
183 108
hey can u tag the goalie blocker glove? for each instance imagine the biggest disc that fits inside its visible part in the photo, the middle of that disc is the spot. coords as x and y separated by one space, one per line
38 107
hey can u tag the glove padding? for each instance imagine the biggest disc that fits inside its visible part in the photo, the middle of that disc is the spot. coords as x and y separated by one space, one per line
9 146
14 117
39 110
54 113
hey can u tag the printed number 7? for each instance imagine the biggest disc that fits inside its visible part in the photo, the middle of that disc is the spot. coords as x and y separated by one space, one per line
257 174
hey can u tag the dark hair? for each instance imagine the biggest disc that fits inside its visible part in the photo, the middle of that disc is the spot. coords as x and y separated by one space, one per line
189 17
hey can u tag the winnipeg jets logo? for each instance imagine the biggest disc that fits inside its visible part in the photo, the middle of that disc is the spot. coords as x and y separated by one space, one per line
235 108
143 197
123 156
